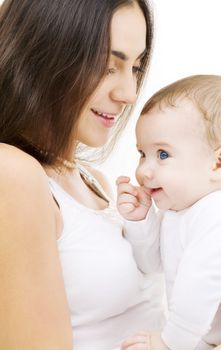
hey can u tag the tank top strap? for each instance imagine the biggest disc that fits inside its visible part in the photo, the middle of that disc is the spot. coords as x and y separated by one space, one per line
92 183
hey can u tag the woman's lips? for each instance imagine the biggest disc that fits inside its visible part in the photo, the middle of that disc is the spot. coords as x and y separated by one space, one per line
106 119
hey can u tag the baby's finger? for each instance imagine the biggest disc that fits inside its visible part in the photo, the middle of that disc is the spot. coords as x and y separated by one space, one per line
143 197
126 208
137 346
122 179
126 188
146 190
127 198
136 342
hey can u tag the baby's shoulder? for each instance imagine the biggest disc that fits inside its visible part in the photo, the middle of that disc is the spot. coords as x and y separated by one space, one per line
208 206
203 218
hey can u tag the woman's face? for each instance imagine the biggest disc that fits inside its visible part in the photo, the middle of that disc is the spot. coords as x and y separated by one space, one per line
119 88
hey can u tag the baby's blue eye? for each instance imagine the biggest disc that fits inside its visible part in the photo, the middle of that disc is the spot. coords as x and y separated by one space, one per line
163 154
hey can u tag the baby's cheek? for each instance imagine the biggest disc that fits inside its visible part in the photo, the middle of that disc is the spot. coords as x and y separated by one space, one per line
138 175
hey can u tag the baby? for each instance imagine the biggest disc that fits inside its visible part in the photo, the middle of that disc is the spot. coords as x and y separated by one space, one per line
179 141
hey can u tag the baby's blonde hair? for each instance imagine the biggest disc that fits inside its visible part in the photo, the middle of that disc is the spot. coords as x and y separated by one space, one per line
204 91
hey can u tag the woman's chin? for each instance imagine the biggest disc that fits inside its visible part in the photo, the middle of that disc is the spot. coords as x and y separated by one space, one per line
95 143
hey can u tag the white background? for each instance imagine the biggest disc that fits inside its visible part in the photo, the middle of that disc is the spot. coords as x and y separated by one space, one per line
187 41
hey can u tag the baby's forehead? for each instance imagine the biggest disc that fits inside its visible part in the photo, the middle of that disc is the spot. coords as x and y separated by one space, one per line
181 108
167 120
166 104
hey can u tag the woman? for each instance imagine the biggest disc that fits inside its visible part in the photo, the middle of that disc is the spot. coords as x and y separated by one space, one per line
69 72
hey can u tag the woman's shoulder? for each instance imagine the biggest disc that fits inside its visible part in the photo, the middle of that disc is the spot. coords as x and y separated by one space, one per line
23 182
25 193
19 167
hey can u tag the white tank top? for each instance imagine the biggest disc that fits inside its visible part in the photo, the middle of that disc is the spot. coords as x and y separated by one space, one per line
108 296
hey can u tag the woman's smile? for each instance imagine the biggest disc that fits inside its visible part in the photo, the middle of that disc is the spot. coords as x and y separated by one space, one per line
105 118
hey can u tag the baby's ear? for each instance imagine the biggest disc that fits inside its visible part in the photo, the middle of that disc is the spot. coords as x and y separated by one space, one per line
217 159
215 174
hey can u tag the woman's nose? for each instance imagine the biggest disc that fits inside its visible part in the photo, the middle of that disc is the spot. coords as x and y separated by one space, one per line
125 90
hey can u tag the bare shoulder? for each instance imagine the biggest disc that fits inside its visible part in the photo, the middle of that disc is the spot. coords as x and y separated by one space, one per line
32 283
17 166
102 179
24 188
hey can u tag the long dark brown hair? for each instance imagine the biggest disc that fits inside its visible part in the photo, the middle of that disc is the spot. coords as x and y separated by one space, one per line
53 54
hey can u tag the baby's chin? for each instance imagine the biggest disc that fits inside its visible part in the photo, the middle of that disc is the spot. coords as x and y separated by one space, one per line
163 201
171 207
177 207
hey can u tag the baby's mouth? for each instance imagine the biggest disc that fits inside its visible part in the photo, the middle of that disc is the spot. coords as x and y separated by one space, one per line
155 190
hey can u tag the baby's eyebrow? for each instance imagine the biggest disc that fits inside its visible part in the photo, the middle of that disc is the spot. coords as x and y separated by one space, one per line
155 144
162 144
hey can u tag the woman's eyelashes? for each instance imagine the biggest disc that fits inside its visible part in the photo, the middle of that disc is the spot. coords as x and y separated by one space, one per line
136 70
111 71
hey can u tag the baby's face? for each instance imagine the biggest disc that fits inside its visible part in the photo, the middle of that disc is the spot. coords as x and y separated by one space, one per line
176 160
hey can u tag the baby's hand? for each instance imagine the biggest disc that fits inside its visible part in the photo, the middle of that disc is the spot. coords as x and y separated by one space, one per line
139 341
144 341
133 202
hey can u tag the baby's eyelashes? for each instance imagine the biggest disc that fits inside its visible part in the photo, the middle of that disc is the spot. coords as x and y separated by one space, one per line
142 154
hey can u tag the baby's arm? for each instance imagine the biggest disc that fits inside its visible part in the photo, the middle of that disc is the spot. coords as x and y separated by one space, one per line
142 224
196 294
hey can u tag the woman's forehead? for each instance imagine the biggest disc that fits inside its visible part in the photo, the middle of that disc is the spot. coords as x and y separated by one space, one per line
124 38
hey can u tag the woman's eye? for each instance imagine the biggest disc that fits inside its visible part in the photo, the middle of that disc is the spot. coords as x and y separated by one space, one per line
163 154
111 71
142 154
137 70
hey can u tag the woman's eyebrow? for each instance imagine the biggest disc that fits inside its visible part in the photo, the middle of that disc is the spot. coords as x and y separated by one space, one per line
119 54
123 57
